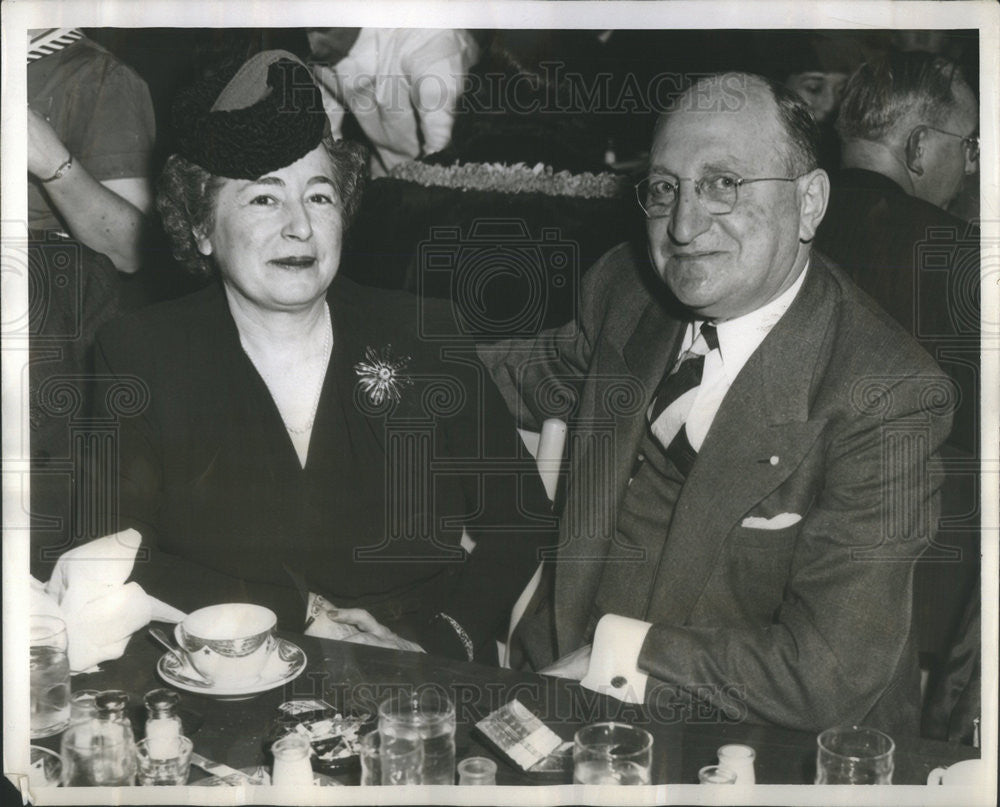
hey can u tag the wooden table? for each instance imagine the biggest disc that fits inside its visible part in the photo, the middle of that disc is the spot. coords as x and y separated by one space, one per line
356 676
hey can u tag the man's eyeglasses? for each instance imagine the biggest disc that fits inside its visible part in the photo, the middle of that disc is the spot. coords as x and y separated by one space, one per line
718 193
971 142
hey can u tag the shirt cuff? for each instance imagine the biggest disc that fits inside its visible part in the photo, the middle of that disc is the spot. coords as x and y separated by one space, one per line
614 659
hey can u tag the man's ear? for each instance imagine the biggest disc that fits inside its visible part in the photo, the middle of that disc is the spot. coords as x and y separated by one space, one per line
814 193
915 148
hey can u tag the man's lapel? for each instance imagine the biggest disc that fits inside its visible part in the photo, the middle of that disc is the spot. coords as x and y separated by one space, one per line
604 446
759 436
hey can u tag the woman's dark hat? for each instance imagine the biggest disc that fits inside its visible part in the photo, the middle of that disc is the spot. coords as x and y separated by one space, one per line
266 116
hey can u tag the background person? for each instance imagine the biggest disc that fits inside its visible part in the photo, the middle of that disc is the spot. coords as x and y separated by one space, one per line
815 66
887 226
909 129
90 137
400 84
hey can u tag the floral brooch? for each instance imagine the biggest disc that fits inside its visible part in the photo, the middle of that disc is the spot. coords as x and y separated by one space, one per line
380 375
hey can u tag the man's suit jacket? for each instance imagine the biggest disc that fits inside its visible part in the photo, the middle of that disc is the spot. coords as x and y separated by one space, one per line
834 418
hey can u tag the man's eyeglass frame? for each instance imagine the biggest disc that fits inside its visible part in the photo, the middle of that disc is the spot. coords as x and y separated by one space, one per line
971 142
699 185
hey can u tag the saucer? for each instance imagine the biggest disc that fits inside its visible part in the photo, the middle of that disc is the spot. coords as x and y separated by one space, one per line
285 664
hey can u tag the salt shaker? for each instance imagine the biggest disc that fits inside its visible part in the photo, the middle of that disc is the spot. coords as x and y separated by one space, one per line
163 727
738 759
291 761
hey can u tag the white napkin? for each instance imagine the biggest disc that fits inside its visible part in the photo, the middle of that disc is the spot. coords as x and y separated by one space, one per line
100 609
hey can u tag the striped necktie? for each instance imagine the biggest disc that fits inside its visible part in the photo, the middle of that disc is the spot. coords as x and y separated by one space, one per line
50 41
686 373
672 406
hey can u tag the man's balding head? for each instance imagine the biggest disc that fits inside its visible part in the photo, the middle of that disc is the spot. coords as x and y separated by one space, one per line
734 90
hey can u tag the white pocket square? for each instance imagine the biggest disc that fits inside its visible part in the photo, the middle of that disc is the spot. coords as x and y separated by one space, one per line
778 522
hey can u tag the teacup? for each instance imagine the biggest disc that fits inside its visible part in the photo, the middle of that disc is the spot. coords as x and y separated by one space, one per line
229 643
967 772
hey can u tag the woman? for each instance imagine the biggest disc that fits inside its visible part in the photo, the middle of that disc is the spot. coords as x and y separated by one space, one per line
301 445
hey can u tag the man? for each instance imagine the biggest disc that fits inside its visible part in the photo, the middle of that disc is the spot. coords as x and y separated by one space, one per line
401 85
913 118
747 543
908 129
908 126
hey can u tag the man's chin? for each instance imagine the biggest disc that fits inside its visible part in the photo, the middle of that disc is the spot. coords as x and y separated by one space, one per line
691 284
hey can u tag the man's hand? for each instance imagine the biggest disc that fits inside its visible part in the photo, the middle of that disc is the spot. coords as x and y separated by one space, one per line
46 151
573 665
358 626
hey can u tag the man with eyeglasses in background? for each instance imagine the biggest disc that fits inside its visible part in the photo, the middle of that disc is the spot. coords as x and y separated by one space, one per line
908 126
748 481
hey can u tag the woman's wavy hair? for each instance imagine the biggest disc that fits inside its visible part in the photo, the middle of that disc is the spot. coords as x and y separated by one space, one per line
186 195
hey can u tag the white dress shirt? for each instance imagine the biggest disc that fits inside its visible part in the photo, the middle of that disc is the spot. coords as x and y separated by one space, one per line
618 640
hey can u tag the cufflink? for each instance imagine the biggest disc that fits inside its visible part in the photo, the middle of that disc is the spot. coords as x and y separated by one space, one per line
619 681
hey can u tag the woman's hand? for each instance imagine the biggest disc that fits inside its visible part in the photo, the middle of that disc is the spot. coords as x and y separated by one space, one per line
358 626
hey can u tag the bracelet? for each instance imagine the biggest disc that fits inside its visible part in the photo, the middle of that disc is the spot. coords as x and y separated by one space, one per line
60 171
462 635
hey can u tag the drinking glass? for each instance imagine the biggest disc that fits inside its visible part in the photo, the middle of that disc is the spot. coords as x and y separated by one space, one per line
49 667
612 754
431 712
98 753
715 775
392 759
172 771
477 771
46 768
854 755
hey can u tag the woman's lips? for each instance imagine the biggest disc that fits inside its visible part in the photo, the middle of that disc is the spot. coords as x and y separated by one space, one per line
294 261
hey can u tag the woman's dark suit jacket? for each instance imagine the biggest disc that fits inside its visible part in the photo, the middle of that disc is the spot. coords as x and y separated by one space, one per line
209 477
